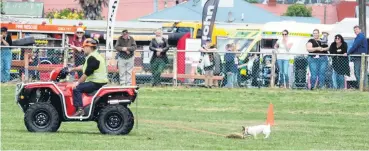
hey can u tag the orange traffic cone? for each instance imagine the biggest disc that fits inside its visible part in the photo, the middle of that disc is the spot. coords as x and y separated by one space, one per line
270 115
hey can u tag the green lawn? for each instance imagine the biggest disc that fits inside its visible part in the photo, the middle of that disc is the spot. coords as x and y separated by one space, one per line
197 119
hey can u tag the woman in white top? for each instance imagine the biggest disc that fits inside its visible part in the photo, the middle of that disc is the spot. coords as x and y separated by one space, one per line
283 47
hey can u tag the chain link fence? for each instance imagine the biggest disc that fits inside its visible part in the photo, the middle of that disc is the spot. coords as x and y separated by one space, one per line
30 63
200 69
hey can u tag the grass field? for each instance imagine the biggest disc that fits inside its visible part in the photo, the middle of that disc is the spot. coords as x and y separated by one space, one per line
197 119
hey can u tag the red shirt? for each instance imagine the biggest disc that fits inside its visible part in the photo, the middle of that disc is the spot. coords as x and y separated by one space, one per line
77 43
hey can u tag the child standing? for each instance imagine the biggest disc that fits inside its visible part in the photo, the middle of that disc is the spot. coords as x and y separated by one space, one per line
231 63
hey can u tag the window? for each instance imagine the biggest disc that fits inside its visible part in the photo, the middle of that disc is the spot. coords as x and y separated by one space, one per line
268 43
177 29
184 30
199 33
168 29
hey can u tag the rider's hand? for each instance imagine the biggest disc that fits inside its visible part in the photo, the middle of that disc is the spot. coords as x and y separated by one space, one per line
75 85
79 49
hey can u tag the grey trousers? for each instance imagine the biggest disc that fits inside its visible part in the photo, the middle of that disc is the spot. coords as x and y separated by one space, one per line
125 67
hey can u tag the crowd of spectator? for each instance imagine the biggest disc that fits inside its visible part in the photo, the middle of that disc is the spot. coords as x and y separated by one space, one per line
318 61
235 70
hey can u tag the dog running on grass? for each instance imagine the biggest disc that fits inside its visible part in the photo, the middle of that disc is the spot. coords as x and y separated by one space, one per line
255 130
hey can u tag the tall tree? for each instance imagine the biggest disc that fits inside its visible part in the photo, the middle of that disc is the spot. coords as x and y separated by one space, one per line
298 10
92 8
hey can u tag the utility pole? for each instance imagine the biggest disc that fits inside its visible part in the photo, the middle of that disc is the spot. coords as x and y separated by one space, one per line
325 13
362 24
155 6
362 15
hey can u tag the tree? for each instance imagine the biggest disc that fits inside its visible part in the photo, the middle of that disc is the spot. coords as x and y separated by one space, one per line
92 8
67 13
298 10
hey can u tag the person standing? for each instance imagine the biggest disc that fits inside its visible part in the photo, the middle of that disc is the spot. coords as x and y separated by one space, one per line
159 45
283 47
209 69
359 46
6 55
231 66
340 64
76 45
125 46
317 63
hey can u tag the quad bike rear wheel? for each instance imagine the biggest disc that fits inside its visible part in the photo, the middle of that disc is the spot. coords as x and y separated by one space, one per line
42 117
115 120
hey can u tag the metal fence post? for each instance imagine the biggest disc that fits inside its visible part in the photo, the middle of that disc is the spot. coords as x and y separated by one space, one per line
65 59
362 72
26 63
366 85
175 68
272 78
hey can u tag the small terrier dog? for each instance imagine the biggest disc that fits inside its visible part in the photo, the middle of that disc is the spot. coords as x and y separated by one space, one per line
255 130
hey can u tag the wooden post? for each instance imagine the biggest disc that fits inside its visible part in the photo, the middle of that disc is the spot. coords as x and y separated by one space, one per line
175 68
362 72
133 78
274 60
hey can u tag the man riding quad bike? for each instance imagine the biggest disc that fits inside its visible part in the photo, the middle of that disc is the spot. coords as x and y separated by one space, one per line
47 104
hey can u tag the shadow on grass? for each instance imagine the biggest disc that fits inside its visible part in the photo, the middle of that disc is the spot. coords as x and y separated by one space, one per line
62 132
132 133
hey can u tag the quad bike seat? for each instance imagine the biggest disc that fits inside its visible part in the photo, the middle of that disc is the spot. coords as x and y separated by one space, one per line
92 93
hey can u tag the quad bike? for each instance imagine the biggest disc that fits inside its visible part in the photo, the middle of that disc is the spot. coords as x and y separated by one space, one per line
47 104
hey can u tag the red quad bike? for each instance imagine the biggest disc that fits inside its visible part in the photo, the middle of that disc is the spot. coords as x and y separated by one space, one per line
47 104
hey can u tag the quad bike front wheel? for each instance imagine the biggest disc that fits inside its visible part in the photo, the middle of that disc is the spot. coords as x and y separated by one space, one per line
115 120
42 117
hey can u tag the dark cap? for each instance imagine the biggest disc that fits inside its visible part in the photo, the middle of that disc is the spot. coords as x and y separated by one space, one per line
4 29
125 31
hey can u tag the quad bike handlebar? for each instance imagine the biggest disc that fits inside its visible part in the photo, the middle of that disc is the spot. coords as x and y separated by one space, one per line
59 74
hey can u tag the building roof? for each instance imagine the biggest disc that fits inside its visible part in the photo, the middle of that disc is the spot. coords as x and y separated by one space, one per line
190 11
318 11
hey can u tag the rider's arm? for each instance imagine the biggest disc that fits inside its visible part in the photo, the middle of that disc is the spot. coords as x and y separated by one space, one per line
92 65
79 68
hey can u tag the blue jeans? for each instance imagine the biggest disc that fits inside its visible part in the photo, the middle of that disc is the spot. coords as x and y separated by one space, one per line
318 67
338 80
6 61
231 80
283 66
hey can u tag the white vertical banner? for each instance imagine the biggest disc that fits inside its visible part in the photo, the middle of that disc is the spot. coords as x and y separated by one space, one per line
112 13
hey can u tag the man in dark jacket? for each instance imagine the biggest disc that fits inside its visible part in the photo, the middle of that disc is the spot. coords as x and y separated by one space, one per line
159 45
359 46
125 46
6 55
